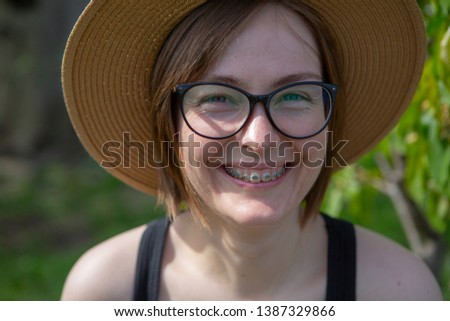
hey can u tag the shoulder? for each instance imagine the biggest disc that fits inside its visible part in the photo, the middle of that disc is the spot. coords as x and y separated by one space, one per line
106 271
387 271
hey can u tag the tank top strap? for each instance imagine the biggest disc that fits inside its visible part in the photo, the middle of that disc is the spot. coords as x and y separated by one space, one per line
341 275
148 265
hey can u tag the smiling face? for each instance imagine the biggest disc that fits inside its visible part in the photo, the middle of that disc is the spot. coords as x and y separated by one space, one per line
275 48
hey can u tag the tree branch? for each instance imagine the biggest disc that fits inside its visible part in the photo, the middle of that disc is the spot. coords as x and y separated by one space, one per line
422 238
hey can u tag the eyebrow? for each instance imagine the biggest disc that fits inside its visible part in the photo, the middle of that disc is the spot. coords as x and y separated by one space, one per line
278 82
305 76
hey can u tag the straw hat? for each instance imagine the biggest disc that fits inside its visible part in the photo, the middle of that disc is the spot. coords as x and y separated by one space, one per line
112 48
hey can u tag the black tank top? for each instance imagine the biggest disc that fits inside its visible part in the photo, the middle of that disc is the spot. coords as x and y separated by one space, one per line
341 270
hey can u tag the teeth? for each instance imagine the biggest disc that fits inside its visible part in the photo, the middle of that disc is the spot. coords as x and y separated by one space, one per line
266 177
254 176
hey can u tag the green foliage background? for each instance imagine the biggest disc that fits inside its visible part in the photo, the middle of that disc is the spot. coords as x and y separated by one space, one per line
422 139
51 212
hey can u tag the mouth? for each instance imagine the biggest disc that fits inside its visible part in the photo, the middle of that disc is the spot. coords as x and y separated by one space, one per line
255 176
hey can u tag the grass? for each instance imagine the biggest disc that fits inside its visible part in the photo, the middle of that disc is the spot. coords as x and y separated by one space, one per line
50 216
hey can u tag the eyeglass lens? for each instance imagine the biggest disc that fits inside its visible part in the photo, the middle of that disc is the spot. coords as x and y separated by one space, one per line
218 111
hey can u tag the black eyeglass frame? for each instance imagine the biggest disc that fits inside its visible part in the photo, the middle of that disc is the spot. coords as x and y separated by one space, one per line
331 89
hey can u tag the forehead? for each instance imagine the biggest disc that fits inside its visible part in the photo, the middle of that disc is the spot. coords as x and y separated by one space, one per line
276 42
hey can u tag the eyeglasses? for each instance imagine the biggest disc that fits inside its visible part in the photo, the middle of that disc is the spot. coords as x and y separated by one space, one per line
217 110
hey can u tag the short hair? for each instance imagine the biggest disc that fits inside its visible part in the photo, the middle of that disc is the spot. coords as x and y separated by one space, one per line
195 43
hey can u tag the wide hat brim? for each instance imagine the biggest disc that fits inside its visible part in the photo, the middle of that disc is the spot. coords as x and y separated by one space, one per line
110 53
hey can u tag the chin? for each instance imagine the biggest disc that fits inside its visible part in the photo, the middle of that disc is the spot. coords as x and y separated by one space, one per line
256 215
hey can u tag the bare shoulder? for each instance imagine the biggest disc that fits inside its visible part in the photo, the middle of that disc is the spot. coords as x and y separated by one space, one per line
106 271
387 271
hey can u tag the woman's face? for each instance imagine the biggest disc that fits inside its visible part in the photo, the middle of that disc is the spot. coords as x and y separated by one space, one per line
274 49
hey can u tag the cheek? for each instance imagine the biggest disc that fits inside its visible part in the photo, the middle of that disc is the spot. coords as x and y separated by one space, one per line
187 152
311 153
314 154
198 156
188 146
198 153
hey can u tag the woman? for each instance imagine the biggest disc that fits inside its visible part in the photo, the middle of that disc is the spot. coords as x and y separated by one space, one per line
245 93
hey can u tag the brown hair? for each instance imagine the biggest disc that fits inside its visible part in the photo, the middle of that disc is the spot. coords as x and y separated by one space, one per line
188 52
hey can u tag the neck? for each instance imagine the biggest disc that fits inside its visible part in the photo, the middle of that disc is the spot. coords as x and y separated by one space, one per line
254 261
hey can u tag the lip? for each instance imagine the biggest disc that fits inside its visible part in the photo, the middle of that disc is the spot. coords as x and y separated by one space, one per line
261 165
255 167
242 183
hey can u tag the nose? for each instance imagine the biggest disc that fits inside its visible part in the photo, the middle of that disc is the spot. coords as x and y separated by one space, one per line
258 129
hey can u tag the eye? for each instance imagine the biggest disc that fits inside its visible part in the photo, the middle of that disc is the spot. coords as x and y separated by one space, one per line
215 99
293 97
218 102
